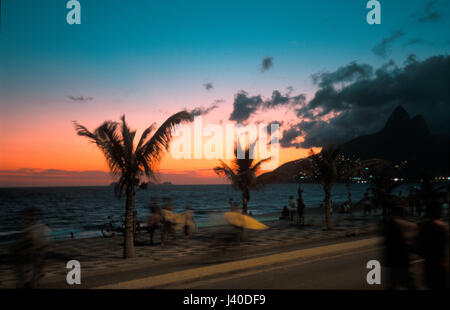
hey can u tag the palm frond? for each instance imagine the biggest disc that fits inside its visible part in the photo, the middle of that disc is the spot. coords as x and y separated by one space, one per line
107 139
127 140
227 172
257 166
144 137
84 132
153 149
111 145
243 165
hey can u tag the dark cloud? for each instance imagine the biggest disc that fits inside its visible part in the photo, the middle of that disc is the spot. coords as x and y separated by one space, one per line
266 63
348 73
269 126
363 105
80 99
208 86
244 105
429 13
203 111
382 48
290 135
279 99
341 128
414 41
327 82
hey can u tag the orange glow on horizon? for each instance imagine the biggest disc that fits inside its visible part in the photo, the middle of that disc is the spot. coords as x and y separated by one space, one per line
47 141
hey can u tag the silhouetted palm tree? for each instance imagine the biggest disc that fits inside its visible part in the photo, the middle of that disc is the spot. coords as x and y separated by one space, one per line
347 168
242 173
130 165
322 167
429 193
383 183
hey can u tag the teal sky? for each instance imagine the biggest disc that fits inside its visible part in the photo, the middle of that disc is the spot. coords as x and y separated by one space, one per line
148 59
146 51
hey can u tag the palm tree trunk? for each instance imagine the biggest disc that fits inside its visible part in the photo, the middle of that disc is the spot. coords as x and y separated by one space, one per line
128 249
349 198
243 236
245 199
328 218
349 193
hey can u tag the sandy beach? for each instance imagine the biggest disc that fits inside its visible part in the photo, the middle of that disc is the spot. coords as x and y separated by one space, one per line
100 255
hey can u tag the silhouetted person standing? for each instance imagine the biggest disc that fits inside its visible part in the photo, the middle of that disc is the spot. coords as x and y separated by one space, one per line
291 207
284 213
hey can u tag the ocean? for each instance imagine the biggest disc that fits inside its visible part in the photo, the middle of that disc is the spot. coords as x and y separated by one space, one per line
82 210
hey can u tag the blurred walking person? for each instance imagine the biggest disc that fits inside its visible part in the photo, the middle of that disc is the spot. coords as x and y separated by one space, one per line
433 246
397 249
189 223
30 249
169 220
155 219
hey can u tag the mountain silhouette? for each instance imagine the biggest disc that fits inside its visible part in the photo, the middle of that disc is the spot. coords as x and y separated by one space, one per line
402 139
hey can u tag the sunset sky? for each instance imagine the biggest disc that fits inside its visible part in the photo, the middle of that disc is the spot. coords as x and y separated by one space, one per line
150 59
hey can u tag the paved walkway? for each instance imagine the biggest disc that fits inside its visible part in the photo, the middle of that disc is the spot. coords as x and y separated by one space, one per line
98 255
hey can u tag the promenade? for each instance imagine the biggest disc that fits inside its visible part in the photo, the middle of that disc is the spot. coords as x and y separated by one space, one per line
209 245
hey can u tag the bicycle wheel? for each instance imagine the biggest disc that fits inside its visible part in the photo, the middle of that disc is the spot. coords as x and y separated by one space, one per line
107 232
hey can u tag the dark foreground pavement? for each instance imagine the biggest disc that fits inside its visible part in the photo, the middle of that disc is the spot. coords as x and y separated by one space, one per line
331 266
342 271
216 261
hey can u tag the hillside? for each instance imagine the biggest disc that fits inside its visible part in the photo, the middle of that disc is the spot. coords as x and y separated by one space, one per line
402 139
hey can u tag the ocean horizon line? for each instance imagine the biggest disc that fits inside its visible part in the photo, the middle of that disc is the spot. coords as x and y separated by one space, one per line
157 185
108 185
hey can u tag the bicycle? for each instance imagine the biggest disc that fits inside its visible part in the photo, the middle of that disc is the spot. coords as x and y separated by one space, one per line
110 229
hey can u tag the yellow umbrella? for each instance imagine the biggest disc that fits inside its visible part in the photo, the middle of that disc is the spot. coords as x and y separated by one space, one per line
245 221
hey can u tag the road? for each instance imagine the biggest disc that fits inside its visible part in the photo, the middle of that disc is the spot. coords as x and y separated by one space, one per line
342 271
321 265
